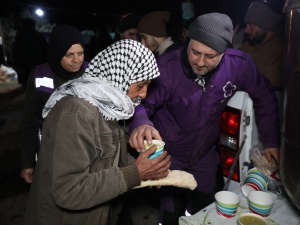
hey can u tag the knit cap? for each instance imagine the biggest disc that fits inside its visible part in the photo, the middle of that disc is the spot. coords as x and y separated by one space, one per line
155 23
214 30
260 14
129 21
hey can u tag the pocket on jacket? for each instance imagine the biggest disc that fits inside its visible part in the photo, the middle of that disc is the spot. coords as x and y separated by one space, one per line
107 145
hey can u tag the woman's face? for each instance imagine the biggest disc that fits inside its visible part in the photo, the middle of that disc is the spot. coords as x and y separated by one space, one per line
73 58
138 90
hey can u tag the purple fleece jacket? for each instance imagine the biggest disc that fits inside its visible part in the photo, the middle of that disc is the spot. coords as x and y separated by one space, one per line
188 116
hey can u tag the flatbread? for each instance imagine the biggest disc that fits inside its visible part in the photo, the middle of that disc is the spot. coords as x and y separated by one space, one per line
177 178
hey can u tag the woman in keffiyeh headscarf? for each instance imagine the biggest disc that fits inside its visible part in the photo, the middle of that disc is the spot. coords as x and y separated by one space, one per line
83 165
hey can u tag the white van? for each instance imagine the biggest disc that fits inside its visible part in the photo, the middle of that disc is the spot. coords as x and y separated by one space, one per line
238 129
238 135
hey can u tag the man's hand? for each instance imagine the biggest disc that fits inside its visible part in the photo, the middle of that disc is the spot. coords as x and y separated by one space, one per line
141 133
153 168
272 153
27 175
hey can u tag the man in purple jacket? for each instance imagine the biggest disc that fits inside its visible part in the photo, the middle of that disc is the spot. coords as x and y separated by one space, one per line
184 105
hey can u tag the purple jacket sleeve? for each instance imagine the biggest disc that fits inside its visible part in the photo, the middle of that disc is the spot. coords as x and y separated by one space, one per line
158 92
265 105
139 118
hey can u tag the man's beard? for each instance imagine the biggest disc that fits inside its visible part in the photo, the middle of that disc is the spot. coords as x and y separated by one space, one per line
208 70
136 101
255 40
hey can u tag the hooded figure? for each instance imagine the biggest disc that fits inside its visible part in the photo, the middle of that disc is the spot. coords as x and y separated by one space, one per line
61 39
262 15
104 80
65 62
264 42
84 165
30 49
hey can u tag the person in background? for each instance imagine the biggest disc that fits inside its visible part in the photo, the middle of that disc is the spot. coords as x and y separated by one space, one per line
264 43
83 166
30 50
65 62
99 41
129 27
184 104
153 32
185 29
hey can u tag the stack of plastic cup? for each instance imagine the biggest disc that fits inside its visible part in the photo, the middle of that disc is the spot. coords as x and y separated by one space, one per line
255 181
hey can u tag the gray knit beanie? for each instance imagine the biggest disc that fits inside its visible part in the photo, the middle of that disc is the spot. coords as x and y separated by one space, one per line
214 30
260 14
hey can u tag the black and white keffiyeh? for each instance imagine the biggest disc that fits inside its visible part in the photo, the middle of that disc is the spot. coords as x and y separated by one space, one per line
107 79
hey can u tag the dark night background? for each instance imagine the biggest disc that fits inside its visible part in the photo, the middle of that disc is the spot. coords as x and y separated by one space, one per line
86 14
104 16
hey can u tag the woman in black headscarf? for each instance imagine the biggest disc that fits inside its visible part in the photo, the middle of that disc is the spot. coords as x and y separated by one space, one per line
65 62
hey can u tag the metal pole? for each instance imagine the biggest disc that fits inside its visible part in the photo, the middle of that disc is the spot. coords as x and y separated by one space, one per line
234 164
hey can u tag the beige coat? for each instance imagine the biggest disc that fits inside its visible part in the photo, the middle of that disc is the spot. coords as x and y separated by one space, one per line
83 168
268 57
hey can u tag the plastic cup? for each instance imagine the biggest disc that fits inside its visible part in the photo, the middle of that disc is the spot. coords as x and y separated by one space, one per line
255 171
227 203
255 181
260 203
160 145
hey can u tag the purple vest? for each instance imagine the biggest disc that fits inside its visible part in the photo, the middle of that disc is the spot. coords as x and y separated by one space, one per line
45 85
44 71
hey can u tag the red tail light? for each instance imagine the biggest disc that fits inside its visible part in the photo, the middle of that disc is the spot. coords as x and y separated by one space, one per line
230 122
227 158
229 140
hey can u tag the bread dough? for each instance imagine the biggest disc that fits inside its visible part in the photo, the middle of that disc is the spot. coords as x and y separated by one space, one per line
177 178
